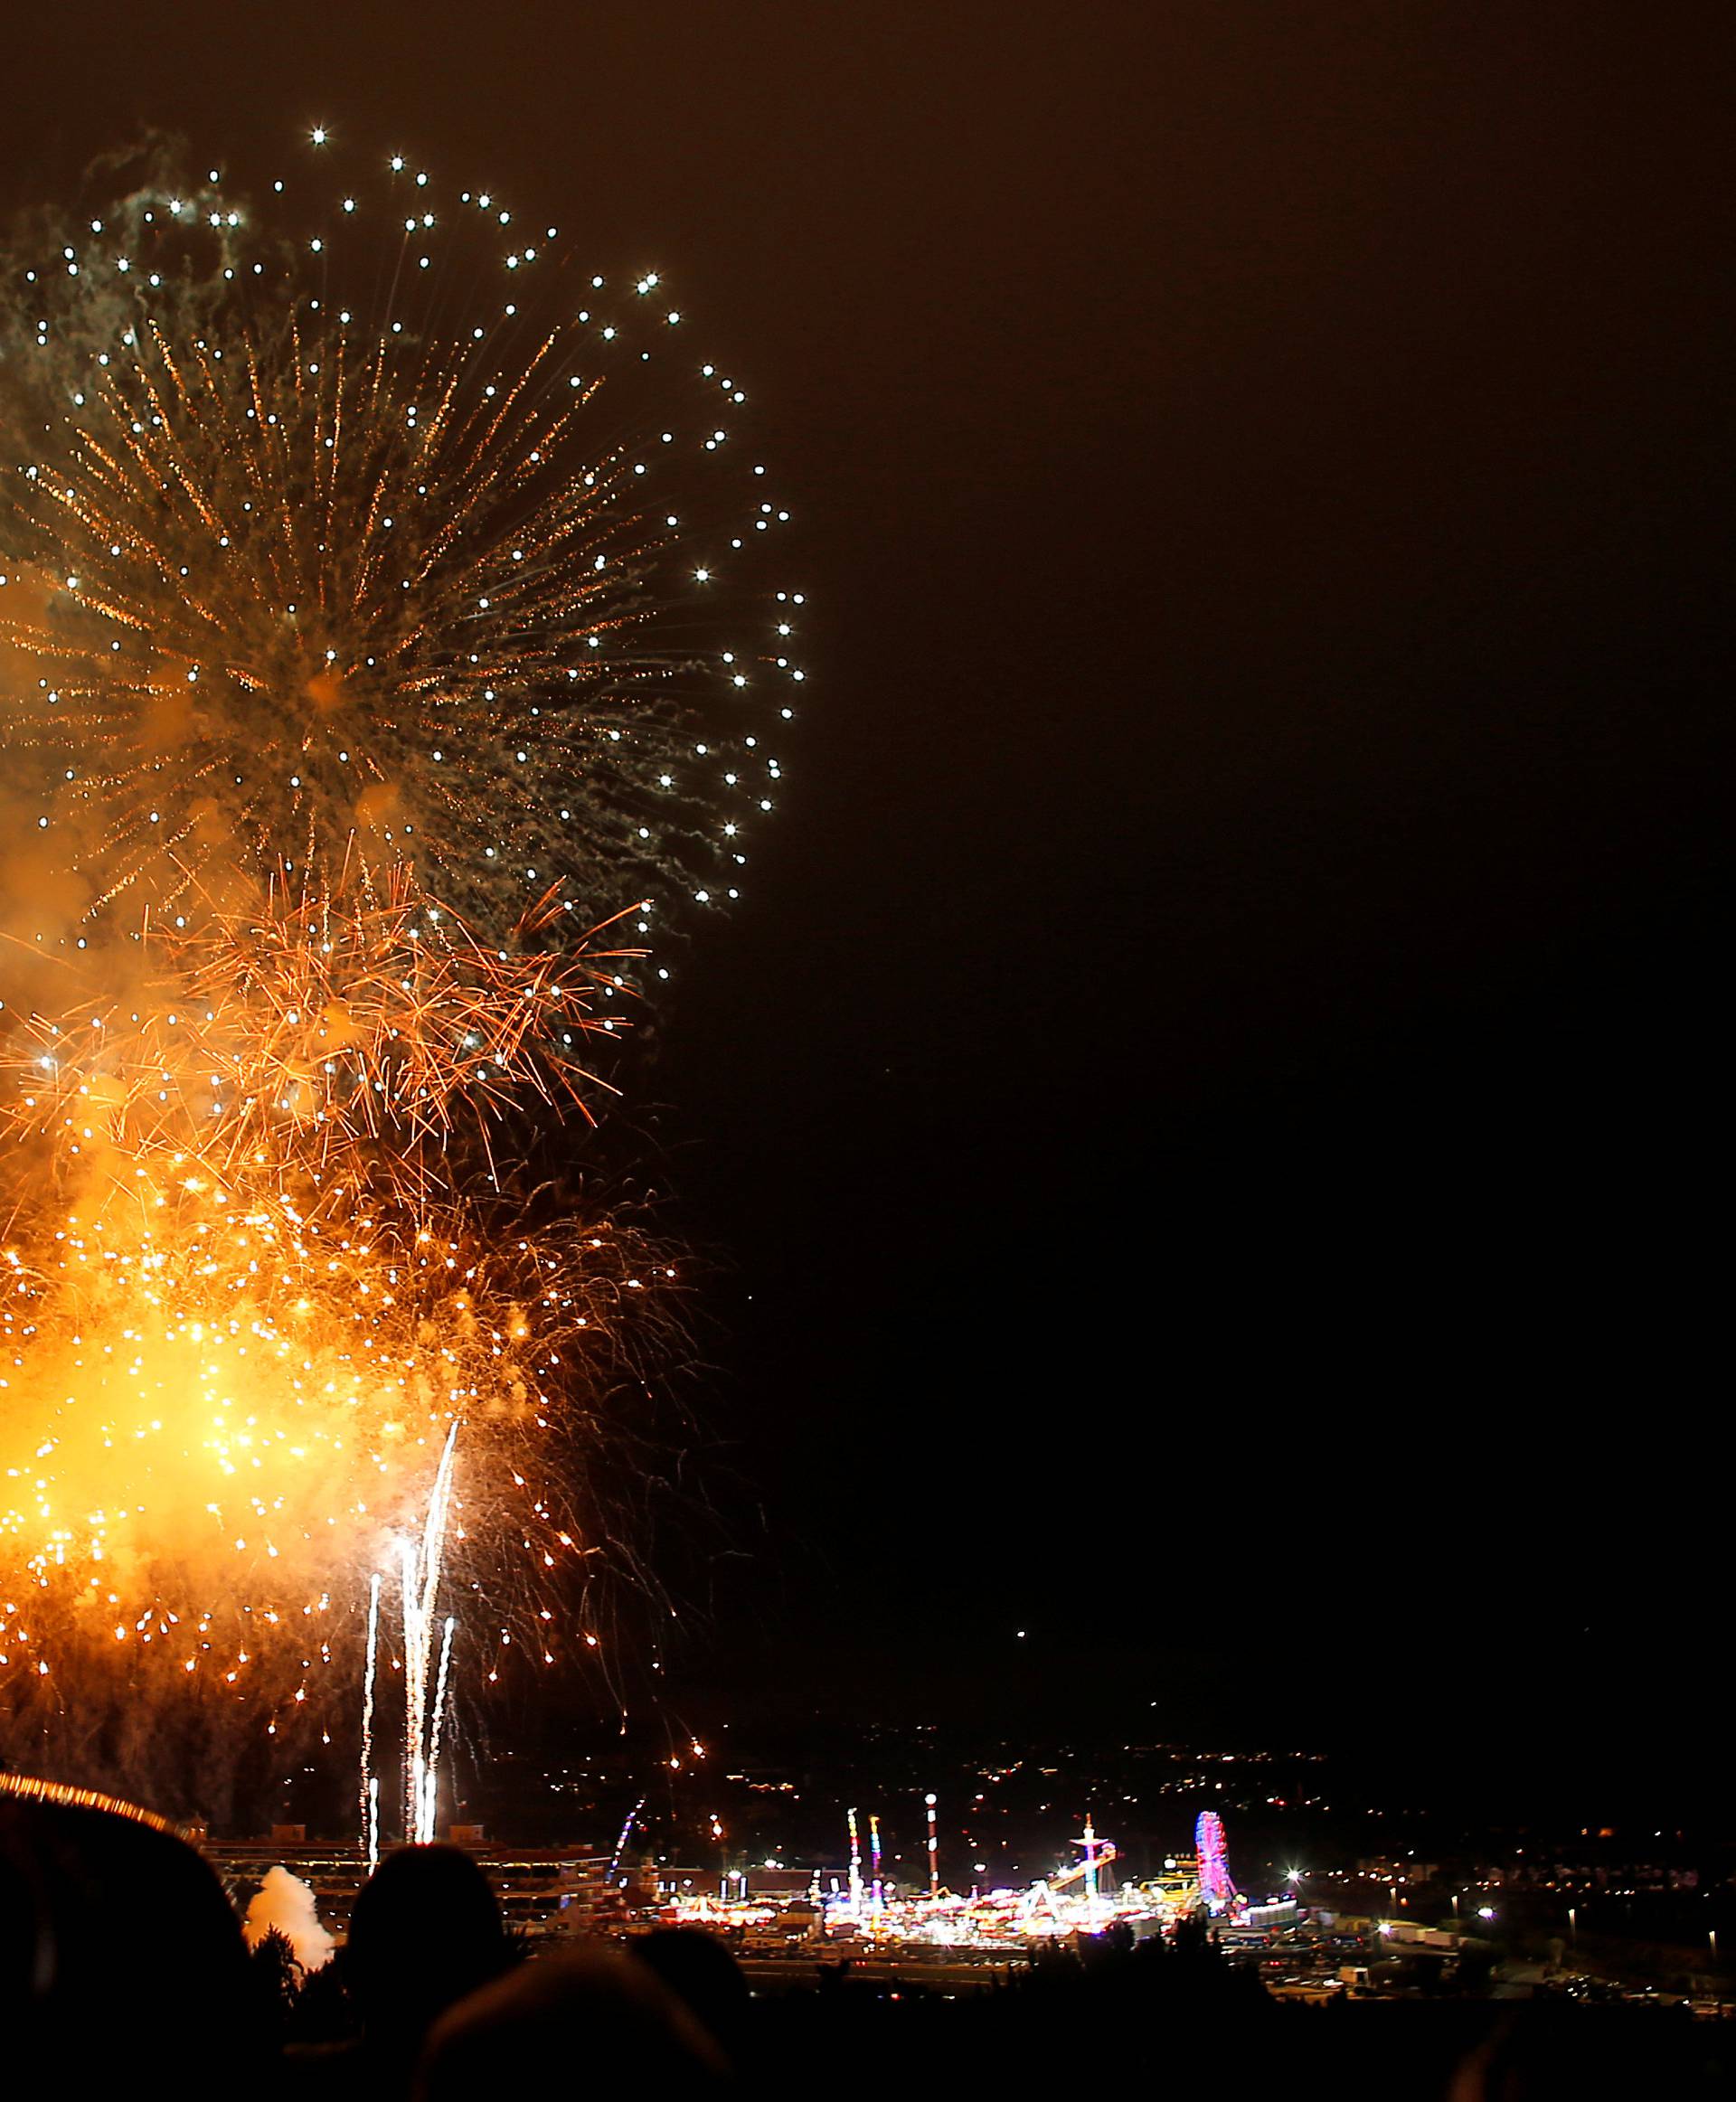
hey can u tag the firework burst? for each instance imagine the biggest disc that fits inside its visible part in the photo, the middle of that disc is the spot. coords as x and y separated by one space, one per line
300 583
381 669
225 1398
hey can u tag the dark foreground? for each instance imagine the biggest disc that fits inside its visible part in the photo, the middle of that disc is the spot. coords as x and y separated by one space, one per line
122 1961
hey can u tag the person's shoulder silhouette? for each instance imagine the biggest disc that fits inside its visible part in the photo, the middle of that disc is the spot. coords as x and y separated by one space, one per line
121 1959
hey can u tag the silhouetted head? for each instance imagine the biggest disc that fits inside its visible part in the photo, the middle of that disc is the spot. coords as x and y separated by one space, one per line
424 1930
703 1975
594 2016
120 1959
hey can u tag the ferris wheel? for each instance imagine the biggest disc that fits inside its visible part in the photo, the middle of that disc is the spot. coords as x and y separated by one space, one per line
1218 1893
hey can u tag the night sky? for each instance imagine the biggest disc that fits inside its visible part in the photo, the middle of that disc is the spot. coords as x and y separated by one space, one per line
1208 1120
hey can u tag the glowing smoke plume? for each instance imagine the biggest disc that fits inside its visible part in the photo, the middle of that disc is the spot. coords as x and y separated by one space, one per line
285 1903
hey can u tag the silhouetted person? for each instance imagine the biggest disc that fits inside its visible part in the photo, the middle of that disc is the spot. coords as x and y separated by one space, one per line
425 1931
704 1977
122 1967
593 2022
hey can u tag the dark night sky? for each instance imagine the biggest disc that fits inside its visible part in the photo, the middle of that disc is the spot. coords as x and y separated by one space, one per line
1217 1065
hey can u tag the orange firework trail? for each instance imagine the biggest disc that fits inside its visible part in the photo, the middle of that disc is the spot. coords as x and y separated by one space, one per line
380 666
345 1018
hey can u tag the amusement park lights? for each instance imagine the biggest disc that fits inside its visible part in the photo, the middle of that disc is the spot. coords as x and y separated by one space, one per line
1218 1893
1083 1896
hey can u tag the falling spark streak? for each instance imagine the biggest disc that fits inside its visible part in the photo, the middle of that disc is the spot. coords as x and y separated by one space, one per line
369 1786
437 1721
415 1697
421 1584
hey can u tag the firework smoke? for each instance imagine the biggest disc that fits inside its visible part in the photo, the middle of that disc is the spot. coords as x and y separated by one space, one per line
285 1904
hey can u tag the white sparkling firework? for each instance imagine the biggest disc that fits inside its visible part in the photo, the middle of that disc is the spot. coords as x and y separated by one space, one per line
422 1570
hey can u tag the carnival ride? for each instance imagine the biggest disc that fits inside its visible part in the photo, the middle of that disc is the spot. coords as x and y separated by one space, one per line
1075 1898
1218 1892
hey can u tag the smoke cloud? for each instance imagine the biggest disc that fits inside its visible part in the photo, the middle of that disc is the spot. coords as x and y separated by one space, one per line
284 1901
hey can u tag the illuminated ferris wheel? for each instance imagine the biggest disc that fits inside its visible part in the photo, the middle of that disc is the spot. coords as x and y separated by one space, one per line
1218 1893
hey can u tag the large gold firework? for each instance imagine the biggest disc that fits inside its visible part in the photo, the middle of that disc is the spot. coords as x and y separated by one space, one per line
227 1402
216 1391
380 670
